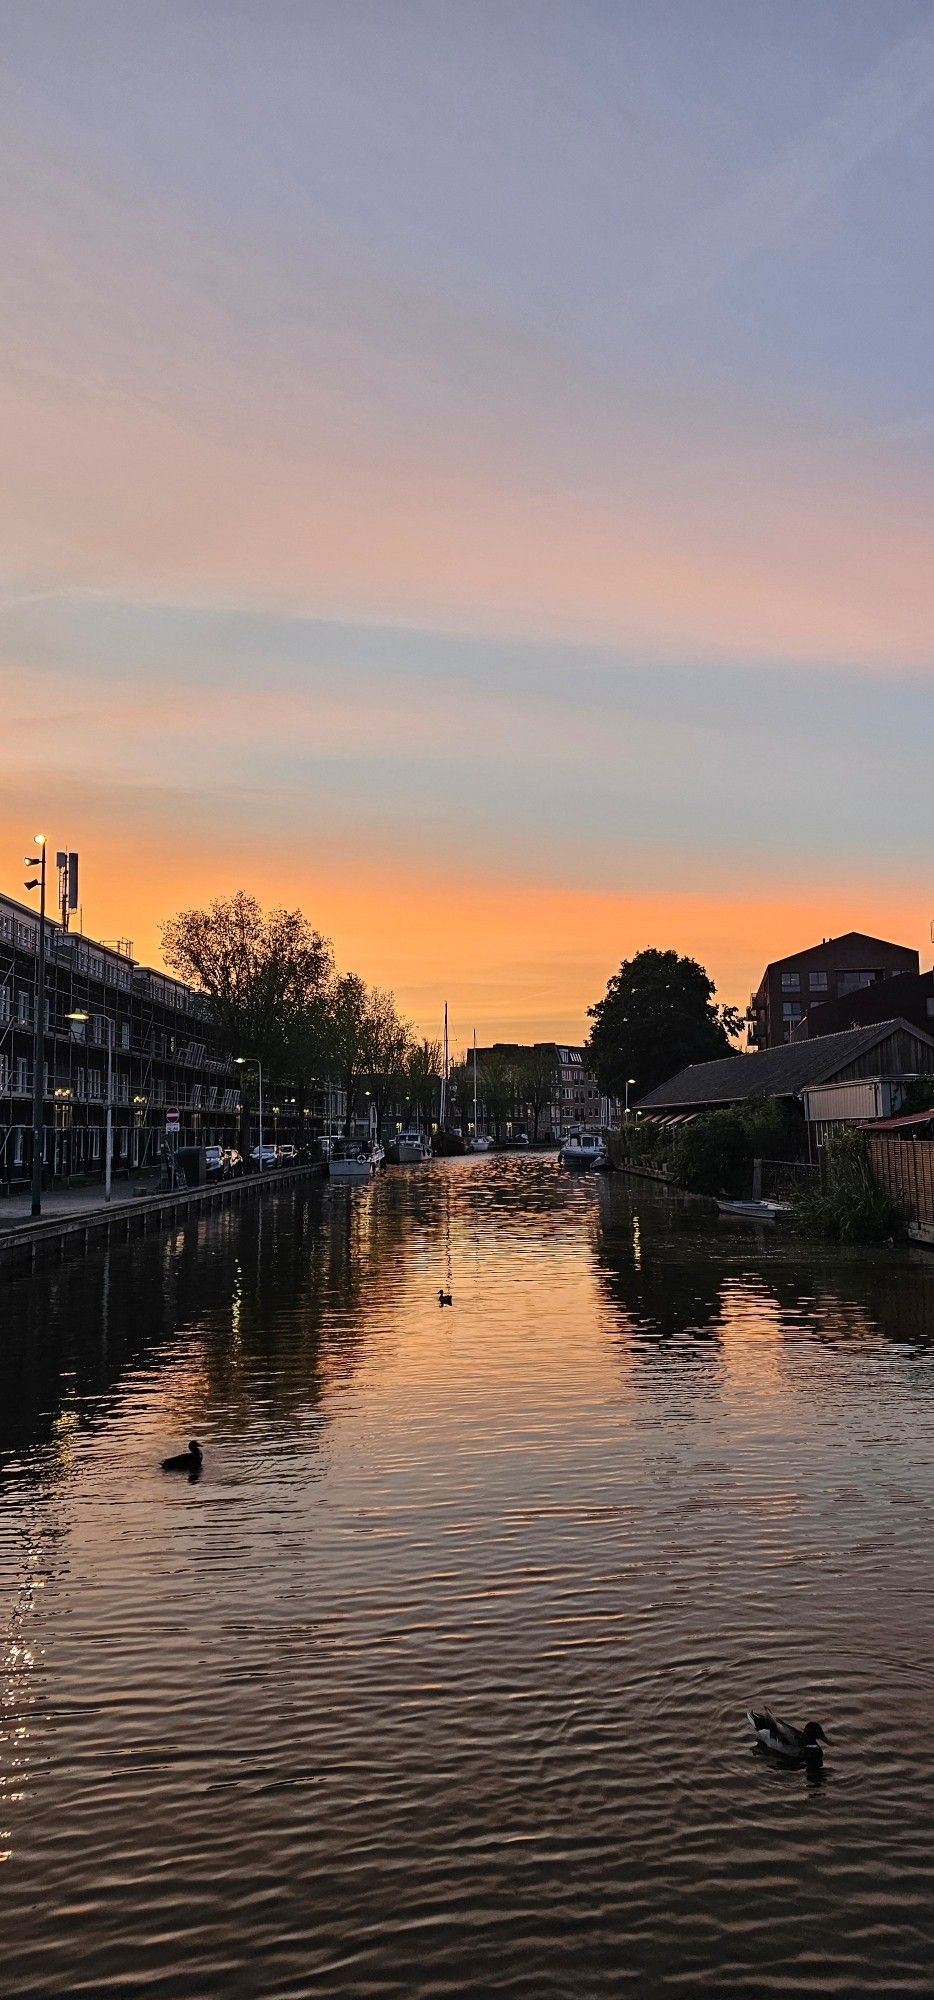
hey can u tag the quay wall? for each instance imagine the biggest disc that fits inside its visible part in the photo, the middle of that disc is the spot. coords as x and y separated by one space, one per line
62 1235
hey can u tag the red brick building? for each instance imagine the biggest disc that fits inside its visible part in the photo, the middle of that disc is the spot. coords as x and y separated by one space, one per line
831 970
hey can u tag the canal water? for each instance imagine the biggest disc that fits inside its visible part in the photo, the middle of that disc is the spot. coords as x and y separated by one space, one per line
434 1684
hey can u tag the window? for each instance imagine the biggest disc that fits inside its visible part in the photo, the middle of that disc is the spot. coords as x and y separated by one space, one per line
6 1002
4 1076
790 982
23 1084
791 1011
852 982
24 1008
817 982
124 1034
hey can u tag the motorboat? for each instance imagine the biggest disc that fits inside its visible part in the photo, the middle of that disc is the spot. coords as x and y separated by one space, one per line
411 1147
349 1160
582 1148
479 1144
755 1211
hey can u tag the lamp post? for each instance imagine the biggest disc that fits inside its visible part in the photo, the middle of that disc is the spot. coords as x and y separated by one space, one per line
629 1080
38 1040
79 1015
242 1061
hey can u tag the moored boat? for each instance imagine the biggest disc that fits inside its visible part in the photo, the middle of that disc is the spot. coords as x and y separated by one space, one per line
410 1147
350 1161
582 1148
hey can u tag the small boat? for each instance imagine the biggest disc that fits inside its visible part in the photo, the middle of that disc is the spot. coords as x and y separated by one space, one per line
350 1161
754 1211
411 1147
478 1144
582 1148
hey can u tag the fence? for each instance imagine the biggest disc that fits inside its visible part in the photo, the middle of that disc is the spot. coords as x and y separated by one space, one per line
775 1180
906 1168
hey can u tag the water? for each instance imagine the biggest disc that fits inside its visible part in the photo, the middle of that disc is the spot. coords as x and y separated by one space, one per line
434 1684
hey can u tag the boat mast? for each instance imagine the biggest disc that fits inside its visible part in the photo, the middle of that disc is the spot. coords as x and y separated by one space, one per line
475 1083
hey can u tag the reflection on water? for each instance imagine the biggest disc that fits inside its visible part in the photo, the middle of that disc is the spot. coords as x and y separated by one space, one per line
434 1683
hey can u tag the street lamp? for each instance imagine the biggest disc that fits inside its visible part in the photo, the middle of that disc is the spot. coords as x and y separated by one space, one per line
38 1039
241 1062
79 1015
629 1080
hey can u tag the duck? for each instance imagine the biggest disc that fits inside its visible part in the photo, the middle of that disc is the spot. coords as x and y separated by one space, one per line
445 1298
185 1461
785 1741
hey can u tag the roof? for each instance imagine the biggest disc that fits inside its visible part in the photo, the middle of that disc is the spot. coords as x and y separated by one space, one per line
781 1072
898 1124
830 949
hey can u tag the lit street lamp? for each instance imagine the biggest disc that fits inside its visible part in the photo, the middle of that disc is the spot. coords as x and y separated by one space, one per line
241 1061
629 1080
78 1015
38 1040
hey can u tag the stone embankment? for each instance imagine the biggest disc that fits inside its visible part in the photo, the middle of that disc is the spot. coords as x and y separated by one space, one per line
80 1219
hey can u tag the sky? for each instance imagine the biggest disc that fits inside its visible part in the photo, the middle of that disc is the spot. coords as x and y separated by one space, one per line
468 470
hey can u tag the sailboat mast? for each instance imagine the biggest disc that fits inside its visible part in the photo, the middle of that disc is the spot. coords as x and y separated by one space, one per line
444 1070
475 1083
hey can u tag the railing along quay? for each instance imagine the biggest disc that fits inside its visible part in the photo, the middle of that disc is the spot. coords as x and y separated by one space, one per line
27 1241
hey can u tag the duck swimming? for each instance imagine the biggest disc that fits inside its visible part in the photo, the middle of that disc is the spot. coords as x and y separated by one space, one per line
784 1740
444 1298
185 1461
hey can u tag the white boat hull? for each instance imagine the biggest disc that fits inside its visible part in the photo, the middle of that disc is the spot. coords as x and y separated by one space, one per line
351 1170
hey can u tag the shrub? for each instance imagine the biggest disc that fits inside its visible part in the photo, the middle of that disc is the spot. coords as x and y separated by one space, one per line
713 1155
851 1205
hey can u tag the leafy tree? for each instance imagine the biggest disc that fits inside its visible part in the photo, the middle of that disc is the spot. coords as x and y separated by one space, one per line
658 1014
537 1081
345 1038
918 1095
423 1080
259 971
498 1085
386 1042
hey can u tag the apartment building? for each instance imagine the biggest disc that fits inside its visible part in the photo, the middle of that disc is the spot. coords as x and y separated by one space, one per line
831 970
162 1052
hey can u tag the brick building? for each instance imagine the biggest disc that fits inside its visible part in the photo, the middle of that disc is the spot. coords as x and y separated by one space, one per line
835 969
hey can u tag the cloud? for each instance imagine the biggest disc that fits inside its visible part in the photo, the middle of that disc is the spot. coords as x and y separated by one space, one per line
898 89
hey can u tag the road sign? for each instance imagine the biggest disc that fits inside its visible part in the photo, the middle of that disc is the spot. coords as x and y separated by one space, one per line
172 1118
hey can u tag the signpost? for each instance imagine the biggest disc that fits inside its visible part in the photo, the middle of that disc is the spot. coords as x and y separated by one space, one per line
173 1125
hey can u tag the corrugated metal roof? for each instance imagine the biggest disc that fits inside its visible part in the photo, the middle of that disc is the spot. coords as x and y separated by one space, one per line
780 1072
898 1124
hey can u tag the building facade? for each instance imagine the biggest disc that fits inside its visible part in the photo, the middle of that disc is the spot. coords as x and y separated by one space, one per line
163 1056
576 1100
835 969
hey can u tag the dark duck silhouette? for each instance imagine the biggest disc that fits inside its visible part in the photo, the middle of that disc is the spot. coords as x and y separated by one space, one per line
444 1298
784 1740
186 1461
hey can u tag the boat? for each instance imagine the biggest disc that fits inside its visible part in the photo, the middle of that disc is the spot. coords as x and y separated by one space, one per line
478 1142
582 1148
350 1161
411 1147
755 1211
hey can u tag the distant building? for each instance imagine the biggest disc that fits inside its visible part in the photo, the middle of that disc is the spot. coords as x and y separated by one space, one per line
577 1099
839 1079
835 969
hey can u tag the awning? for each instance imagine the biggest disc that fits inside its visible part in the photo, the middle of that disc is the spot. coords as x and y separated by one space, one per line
896 1124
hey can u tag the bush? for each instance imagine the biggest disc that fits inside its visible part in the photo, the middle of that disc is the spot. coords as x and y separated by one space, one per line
851 1205
713 1155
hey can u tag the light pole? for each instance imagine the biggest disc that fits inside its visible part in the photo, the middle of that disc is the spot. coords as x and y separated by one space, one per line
38 1040
241 1062
629 1080
79 1015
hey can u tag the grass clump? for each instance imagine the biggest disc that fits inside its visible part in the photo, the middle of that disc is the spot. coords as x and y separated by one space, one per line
850 1205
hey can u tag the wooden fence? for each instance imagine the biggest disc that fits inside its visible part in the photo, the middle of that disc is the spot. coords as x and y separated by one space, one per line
906 1168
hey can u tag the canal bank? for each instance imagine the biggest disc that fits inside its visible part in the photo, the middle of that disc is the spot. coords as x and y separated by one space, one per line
82 1217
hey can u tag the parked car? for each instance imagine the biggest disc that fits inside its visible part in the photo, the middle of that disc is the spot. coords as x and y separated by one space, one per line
270 1156
288 1156
214 1159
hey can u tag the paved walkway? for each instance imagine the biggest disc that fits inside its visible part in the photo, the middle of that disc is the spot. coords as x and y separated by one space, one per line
66 1204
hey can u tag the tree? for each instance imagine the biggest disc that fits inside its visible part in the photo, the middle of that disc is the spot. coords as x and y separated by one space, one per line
259 971
423 1079
658 1015
537 1080
386 1041
713 1155
345 1032
498 1088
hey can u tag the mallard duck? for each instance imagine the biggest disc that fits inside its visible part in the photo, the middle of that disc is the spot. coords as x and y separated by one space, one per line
185 1461
784 1740
444 1298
